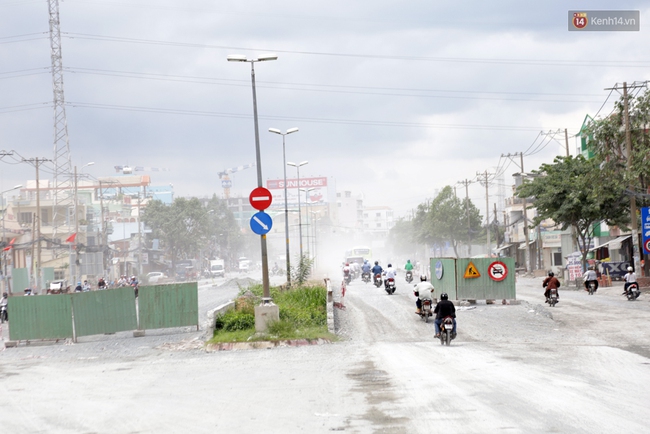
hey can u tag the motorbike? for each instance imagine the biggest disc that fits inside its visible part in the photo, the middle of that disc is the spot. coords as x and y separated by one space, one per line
3 314
365 277
378 281
446 331
591 287
425 311
552 298
390 286
632 292
409 276
347 276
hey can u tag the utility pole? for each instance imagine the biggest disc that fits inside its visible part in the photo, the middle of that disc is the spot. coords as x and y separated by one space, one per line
496 219
628 149
529 256
566 142
486 175
37 162
467 182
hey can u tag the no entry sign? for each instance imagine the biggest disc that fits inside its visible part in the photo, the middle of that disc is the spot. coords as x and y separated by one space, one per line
260 198
497 271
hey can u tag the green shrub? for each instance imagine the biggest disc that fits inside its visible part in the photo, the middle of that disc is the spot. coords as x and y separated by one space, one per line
234 320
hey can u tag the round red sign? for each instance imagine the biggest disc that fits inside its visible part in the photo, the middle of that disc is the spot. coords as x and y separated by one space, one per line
260 198
497 271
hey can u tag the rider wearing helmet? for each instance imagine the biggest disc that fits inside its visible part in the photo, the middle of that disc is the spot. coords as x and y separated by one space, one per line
423 291
390 273
590 276
629 278
377 270
443 309
549 283
408 266
365 268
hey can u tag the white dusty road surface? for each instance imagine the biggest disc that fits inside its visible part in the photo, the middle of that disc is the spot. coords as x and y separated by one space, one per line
581 367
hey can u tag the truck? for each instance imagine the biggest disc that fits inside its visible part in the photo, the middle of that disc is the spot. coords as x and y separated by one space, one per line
217 268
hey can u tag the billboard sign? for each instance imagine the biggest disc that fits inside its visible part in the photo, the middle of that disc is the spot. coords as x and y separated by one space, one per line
316 195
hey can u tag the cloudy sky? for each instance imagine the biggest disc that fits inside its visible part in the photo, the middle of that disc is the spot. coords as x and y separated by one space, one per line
394 100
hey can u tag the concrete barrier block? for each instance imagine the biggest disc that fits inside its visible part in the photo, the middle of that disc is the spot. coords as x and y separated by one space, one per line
138 333
11 344
264 314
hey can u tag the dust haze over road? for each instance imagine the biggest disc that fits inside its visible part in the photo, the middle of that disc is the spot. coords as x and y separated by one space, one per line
580 367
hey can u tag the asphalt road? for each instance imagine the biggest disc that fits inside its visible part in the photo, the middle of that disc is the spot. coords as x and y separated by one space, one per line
581 367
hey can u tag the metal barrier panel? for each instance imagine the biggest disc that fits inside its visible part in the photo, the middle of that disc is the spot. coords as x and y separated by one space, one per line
447 282
485 287
164 306
48 276
19 280
108 311
40 317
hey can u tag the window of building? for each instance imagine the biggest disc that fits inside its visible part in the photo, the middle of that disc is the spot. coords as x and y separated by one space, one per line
348 194
557 259
389 214
365 215
25 217
378 214
378 225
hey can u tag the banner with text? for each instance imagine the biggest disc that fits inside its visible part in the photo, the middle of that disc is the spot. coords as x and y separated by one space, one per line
312 191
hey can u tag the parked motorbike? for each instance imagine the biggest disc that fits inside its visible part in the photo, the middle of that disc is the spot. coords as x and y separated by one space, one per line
390 286
365 277
632 292
552 298
378 281
591 287
4 316
425 311
446 331
409 276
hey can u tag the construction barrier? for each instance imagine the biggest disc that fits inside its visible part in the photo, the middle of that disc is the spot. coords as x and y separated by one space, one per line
109 311
163 306
474 278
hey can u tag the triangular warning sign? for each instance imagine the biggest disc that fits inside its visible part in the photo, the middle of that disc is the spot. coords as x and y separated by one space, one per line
471 272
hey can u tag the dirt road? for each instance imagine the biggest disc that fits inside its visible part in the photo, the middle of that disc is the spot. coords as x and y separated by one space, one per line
581 367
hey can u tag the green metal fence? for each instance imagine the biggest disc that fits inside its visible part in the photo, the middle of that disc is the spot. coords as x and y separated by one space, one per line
40 317
19 280
164 306
107 311
443 277
486 279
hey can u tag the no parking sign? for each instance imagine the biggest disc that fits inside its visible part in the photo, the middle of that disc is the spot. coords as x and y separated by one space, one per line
497 271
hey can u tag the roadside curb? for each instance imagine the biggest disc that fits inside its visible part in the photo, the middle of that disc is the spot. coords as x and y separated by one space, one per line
264 345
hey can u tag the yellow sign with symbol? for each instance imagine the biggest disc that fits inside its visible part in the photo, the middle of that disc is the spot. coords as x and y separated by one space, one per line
471 272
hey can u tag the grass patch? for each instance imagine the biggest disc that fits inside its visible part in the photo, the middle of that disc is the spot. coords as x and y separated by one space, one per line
303 315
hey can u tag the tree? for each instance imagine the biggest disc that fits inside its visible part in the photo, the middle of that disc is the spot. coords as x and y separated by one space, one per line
224 229
445 220
183 227
571 192
402 238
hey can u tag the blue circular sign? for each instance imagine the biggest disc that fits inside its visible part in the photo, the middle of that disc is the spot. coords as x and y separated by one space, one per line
261 223
439 270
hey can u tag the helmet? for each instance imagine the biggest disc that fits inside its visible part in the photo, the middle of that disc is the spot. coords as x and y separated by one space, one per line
408 260
591 267
551 274
444 296
347 263
423 278
630 269
376 262
389 265
4 294
78 283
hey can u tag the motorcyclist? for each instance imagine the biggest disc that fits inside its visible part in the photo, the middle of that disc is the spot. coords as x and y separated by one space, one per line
101 283
390 273
86 286
377 270
408 266
443 309
422 291
629 278
590 276
365 268
346 270
549 283
122 281
78 288
3 302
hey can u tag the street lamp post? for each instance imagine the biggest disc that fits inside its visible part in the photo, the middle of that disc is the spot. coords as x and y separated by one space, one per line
76 214
286 210
307 190
4 212
297 166
265 259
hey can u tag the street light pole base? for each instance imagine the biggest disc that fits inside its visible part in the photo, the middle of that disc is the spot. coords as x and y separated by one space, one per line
266 313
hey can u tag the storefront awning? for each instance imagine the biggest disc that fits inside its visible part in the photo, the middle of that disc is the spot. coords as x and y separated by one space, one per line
613 244
523 246
505 246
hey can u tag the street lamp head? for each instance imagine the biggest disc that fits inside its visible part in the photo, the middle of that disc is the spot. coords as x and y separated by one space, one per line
265 57
237 58
302 163
292 130
289 163
275 130
16 187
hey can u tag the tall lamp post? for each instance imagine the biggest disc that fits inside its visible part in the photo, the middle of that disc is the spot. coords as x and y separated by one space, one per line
76 215
307 190
265 259
297 166
4 213
286 210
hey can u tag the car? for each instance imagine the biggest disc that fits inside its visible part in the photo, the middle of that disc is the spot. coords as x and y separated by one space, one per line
156 277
